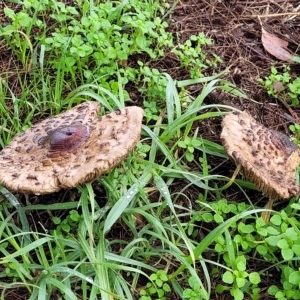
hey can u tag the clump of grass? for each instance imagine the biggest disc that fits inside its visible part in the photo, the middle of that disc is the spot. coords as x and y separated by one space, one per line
78 252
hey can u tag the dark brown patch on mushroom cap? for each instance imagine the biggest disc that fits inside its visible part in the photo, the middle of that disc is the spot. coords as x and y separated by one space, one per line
268 158
60 152
67 138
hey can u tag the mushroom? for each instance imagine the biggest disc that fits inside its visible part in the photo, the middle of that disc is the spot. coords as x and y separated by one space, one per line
69 149
266 157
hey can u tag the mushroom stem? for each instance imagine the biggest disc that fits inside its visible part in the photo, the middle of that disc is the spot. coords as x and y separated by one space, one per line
266 214
232 179
236 172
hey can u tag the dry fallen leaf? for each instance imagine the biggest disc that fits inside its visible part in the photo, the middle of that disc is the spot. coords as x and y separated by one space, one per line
275 46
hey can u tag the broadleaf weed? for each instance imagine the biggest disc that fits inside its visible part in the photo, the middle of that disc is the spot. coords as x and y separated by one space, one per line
281 84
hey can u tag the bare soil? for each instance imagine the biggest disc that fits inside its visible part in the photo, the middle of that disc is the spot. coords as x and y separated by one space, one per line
235 28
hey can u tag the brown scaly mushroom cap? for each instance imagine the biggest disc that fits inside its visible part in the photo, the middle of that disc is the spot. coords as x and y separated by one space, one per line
69 149
268 158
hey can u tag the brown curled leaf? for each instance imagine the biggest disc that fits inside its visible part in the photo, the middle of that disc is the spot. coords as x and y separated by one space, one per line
275 46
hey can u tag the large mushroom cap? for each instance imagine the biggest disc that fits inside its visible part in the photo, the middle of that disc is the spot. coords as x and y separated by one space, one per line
69 149
268 158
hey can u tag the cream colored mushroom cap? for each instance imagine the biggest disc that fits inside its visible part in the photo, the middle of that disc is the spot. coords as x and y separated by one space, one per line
69 149
268 158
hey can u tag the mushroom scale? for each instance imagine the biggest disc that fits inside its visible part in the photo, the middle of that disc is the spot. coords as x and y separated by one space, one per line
69 149
268 158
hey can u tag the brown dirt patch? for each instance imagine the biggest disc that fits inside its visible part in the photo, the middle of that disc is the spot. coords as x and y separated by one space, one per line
235 28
